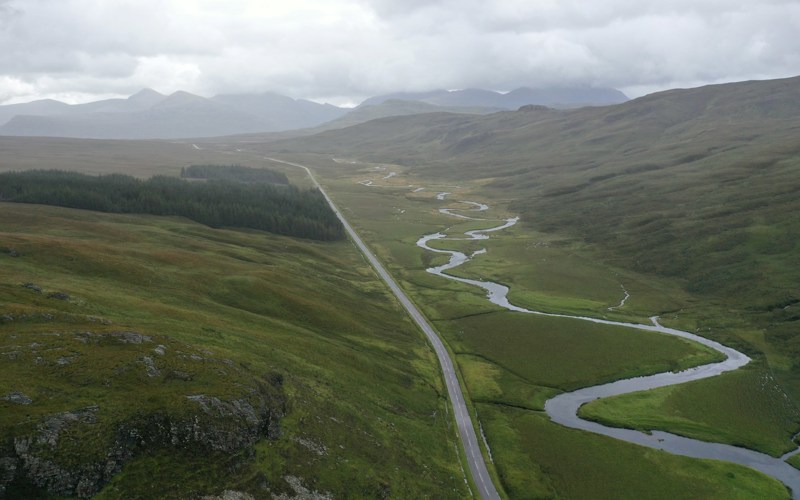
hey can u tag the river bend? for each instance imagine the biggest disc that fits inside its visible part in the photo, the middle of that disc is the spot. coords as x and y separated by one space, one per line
563 408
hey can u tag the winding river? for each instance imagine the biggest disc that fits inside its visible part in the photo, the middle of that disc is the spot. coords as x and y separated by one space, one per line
564 407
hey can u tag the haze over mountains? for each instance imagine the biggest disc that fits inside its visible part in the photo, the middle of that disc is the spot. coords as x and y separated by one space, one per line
554 97
151 115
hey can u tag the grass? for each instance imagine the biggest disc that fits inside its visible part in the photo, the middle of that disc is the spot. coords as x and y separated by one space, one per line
511 363
566 354
538 459
364 404
744 408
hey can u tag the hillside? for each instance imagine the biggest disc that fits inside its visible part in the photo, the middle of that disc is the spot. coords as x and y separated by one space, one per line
360 114
398 107
150 357
698 185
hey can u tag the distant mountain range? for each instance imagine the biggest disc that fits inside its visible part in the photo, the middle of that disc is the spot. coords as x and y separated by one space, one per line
151 115
553 97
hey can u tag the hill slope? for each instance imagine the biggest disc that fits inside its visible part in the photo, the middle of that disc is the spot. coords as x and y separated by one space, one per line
152 357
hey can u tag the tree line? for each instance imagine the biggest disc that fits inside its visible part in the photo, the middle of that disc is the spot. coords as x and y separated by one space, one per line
281 209
238 173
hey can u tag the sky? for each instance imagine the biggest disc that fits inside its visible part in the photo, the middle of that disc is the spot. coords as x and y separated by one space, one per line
342 51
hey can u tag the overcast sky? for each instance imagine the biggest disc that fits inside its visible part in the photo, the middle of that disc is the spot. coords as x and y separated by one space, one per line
342 51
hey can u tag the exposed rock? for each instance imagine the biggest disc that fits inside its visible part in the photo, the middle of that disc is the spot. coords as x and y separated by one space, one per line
45 454
301 492
18 398
317 448
150 365
12 252
177 374
58 295
231 495
32 286
8 469
95 319
130 337
227 426
7 318
50 429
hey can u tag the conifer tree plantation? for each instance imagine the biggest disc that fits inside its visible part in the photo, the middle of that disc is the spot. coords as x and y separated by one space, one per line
222 201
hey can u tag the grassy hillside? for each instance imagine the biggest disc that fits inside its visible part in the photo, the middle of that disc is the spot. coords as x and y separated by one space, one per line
150 356
396 107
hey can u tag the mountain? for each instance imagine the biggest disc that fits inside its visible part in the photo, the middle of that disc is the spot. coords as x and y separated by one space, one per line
176 116
360 114
142 100
151 115
553 97
42 107
280 112
397 107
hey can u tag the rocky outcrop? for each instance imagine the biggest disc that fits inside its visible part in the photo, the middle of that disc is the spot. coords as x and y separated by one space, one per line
18 398
301 492
76 452
220 425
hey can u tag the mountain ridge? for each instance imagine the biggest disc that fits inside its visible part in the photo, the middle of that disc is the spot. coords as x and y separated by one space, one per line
554 97
148 114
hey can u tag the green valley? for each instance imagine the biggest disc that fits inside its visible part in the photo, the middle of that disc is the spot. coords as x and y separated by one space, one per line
149 355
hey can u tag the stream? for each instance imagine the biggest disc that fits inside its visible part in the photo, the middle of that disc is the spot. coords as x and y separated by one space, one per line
563 408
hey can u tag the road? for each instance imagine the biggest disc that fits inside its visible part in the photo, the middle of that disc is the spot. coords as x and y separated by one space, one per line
466 430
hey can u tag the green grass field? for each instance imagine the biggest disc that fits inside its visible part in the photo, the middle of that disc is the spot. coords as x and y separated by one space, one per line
538 459
744 408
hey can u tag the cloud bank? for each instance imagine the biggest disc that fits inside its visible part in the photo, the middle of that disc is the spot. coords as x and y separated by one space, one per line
345 50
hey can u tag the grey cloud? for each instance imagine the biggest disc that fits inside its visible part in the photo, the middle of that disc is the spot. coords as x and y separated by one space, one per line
350 49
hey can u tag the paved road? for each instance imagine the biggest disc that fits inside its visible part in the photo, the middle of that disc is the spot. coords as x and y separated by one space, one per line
477 465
